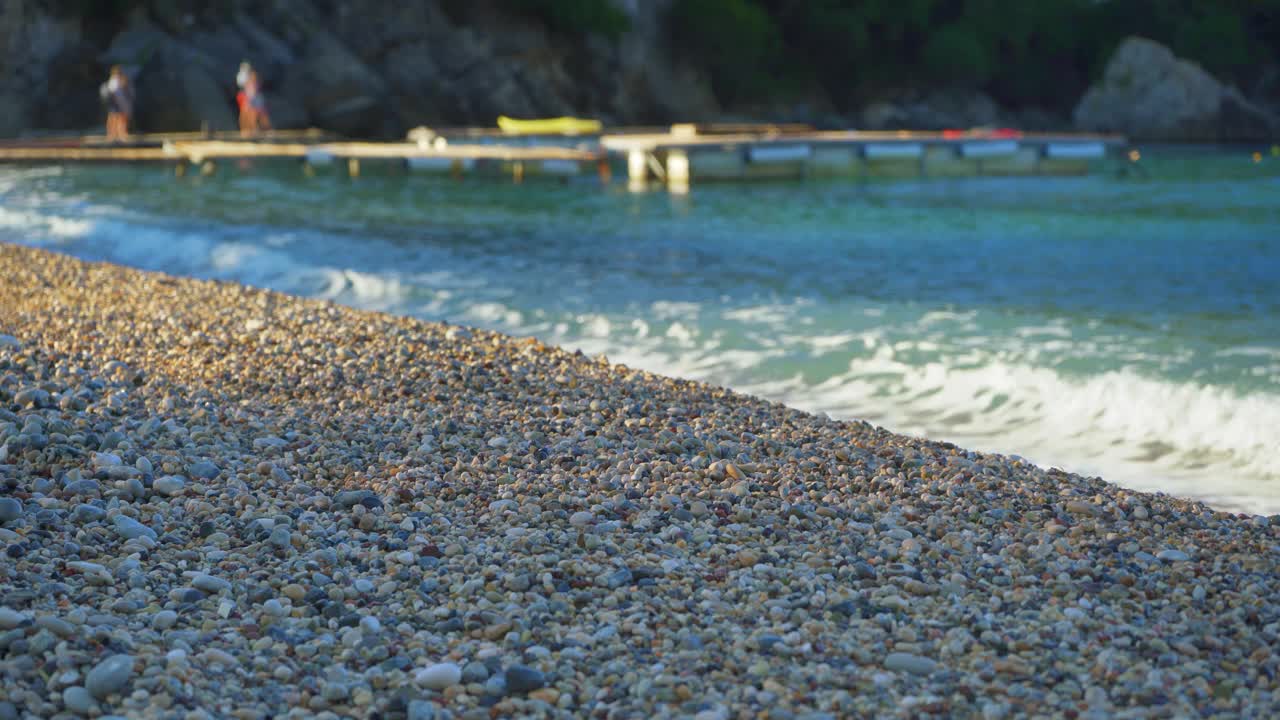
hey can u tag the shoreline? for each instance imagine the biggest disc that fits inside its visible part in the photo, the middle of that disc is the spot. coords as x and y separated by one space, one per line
264 503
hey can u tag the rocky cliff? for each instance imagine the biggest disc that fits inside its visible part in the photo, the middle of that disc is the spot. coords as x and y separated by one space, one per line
378 68
359 68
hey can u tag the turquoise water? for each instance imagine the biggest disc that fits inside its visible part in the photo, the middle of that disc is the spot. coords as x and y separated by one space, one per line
1122 326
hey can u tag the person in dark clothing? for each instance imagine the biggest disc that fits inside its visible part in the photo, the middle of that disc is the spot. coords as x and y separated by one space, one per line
117 96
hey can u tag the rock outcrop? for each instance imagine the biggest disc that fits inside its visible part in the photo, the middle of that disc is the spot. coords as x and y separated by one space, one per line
931 111
1148 93
341 66
39 53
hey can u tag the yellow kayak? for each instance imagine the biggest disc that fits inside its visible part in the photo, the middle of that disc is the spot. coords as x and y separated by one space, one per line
549 126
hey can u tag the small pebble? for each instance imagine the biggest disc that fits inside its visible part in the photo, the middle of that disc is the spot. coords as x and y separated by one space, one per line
521 679
10 618
78 700
164 619
131 529
906 662
169 485
439 676
210 584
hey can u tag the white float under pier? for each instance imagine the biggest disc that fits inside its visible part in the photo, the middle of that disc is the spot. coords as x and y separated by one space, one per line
894 151
1075 150
989 148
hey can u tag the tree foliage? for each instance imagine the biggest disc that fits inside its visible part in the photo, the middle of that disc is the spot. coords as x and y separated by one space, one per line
1038 52
575 16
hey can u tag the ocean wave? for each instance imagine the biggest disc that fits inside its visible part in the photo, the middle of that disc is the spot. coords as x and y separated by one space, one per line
1144 432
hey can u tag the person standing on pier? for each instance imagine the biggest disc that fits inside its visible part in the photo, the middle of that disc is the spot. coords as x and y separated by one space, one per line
252 102
117 96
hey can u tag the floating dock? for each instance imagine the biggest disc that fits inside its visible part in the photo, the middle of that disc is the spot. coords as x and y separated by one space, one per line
675 156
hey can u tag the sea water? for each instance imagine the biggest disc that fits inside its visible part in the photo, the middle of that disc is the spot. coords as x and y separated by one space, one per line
1122 324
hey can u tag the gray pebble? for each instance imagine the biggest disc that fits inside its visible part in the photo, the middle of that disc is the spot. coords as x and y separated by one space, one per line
618 578
56 625
1173 556
439 676
78 700
135 488
210 584
204 470
906 662
88 513
169 485
421 710
10 509
34 397
84 487
109 676
106 460
523 679
350 498
496 686
129 529
164 619
10 618
281 538
475 672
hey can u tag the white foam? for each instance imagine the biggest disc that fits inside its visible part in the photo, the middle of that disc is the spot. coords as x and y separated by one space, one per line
40 227
1150 434
495 314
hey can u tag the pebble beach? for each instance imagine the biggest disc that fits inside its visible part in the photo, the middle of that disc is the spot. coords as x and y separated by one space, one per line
218 501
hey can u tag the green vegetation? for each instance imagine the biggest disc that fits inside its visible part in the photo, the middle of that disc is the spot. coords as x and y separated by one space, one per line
1022 52
575 16
728 37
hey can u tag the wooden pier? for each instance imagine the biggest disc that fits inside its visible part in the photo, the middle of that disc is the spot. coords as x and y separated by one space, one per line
683 155
675 156
186 150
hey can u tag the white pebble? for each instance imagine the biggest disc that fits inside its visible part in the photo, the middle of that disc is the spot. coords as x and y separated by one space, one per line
439 676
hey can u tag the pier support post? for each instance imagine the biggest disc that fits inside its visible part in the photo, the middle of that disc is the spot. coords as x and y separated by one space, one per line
208 168
353 167
517 172
678 171
637 168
